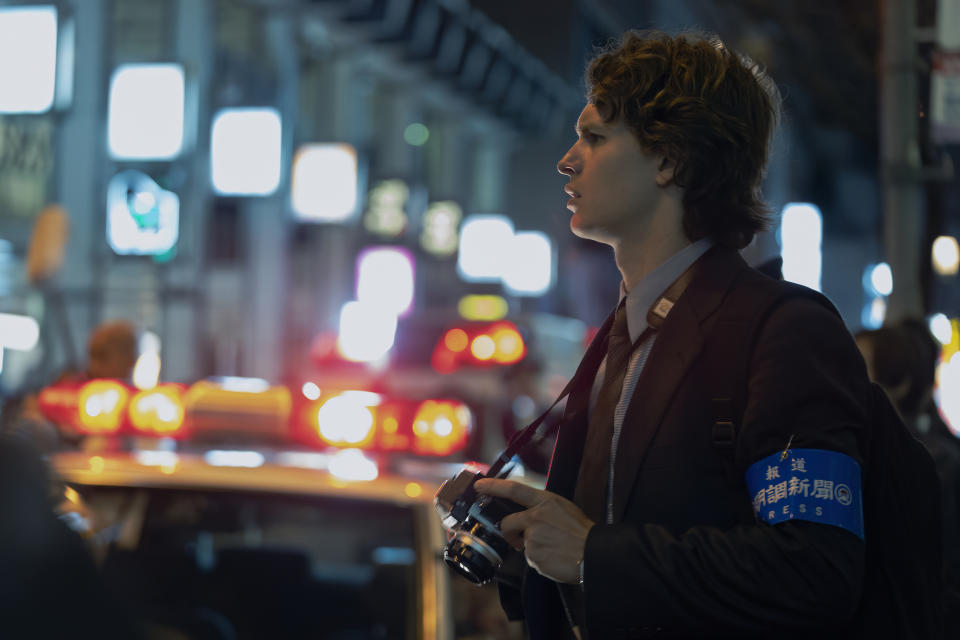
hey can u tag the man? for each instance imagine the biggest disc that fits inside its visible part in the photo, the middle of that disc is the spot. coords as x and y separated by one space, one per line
645 526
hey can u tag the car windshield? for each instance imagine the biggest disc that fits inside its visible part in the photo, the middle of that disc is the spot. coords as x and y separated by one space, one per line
252 565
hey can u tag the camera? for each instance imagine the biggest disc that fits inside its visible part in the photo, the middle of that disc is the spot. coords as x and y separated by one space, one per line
475 548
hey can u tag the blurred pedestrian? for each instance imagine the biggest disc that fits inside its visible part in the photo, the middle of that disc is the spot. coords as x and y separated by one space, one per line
111 353
903 359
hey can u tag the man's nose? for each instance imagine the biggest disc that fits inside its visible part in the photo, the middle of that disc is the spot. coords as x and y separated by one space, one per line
567 165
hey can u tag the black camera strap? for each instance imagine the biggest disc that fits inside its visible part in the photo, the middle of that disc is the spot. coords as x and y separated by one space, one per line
536 431
533 432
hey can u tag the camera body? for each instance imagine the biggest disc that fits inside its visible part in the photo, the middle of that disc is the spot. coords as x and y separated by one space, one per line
476 549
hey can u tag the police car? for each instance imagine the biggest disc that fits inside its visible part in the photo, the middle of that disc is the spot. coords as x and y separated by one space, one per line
236 509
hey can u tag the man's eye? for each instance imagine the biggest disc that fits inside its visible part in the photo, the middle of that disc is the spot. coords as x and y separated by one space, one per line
591 137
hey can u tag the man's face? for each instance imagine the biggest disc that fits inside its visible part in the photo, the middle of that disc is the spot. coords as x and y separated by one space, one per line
613 181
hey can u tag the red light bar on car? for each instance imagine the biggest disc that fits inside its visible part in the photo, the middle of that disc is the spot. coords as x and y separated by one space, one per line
339 419
371 421
158 411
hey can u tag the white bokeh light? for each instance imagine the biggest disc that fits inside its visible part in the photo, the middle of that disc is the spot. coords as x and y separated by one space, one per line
874 313
945 255
245 151
801 235
880 278
310 391
226 458
28 58
146 372
324 182
367 332
146 104
352 465
530 264
345 419
484 245
941 328
385 277
17 332
948 393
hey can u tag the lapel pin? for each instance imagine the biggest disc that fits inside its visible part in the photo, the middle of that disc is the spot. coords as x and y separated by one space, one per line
786 450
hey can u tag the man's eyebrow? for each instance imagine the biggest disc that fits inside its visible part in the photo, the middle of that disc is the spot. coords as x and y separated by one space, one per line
587 127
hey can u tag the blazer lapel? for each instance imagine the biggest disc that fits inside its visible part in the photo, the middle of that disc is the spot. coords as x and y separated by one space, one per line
677 346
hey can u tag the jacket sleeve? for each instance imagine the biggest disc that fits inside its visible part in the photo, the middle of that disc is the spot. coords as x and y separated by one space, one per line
806 380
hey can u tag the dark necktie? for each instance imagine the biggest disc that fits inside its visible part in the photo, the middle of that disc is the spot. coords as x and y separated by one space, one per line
590 494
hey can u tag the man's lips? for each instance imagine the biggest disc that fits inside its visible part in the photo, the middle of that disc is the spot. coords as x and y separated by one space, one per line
570 192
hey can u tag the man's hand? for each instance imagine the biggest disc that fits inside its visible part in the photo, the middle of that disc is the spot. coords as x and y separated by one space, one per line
552 531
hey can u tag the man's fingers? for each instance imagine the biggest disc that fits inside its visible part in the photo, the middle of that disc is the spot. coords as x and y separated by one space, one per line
516 491
512 528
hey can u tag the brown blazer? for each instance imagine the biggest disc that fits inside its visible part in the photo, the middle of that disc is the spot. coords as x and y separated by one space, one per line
684 556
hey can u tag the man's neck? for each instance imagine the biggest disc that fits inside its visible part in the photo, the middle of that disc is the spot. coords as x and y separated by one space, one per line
638 256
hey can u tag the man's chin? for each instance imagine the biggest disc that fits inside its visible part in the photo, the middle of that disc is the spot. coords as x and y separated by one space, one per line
582 229
592 232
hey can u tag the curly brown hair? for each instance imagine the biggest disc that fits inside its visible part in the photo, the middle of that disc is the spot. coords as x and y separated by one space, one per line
713 111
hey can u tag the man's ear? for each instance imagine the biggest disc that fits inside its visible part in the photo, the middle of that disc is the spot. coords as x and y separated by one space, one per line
665 171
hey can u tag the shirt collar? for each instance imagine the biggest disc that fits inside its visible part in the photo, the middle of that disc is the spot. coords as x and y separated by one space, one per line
646 292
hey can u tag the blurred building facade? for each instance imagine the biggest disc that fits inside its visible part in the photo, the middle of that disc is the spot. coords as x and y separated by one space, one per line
469 103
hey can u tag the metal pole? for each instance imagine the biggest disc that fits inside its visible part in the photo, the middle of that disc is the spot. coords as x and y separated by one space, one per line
903 211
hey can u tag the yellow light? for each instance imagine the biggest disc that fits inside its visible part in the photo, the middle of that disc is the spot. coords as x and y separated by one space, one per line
953 347
456 340
101 404
509 345
391 438
70 494
413 489
489 308
168 469
157 411
945 255
207 396
483 347
96 464
440 427
386 202
440 235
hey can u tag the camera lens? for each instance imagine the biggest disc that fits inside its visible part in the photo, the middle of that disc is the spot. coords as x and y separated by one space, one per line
471 556
476 549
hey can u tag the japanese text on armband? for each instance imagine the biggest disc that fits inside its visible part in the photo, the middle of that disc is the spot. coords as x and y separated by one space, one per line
807 484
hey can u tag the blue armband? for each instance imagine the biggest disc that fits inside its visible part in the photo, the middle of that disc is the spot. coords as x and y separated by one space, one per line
808 484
